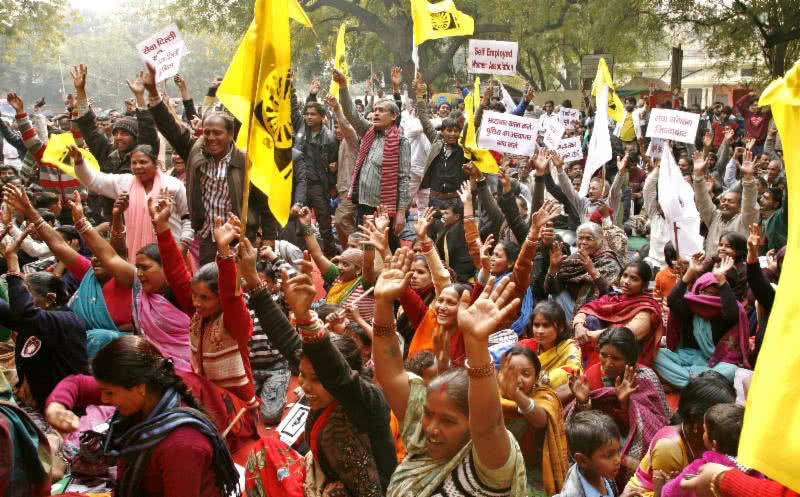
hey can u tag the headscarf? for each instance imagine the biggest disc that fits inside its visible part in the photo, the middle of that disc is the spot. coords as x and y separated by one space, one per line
354 256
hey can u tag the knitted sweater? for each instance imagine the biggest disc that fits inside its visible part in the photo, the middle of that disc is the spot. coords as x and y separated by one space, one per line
51 178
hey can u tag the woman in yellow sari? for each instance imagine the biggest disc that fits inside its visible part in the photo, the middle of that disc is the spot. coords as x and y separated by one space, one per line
532 413
558 354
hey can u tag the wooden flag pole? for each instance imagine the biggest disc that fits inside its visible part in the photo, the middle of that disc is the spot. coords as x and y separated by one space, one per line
675 228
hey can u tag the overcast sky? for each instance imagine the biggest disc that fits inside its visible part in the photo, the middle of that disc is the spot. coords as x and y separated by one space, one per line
95 4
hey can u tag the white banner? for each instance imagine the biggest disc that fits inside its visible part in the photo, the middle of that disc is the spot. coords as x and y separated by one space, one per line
568 115
656 148
492 57
163 50
508 133
600 143
673 125
553 132
676 198
570 149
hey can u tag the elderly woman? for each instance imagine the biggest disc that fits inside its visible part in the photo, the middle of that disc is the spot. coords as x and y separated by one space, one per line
343 274
585 275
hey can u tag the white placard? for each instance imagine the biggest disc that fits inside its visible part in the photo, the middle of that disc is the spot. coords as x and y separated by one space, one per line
294 424
553 132
673 125
163 50
570 149
566 116
656 148
492 57
508 133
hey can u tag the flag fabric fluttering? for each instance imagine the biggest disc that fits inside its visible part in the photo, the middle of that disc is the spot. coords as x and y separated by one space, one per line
256 90
676 198
297 13
481 158
341 60
616 110
508 102
439 20
770 440
599 151
57 154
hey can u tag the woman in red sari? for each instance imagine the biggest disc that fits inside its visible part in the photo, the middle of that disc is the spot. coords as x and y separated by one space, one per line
633 309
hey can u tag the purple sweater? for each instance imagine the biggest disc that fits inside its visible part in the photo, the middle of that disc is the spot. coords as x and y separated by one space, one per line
673 487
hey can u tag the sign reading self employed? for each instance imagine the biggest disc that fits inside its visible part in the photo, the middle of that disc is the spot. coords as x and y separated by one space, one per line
492 57
673 125
164 51
508 133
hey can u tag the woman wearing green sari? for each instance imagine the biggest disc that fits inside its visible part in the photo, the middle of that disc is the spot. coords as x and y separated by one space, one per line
452 429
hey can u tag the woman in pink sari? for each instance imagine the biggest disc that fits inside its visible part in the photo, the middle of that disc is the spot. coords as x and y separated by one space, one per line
156 315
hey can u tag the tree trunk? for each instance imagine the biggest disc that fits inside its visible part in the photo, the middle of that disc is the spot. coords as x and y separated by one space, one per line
777 67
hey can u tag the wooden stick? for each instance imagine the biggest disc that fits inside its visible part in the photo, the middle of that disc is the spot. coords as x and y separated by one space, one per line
368 292
675 228
230 426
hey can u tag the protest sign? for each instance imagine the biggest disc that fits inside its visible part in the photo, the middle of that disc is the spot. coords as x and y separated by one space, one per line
673 125
508 133
570 149
566 116
656 148
553 132
163 50
492 57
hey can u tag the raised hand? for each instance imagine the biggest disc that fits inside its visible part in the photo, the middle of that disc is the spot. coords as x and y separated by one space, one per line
12 248
503 177
579 386
556 257
137 85
248 258
748 166
180 83
225 233
699 163
555 158
339 77
382 219
539 161
465 193
331 101
79 74
375 237
530 95
16 102
723 266
550 210
493 307
397 78
315 85
696 264
299 291
750 143
76 206
622 163
422 224
420 88
753 242
16 197
708 139
160 208
728 135
149 80
305 216
486 252
396 274
625 385
121 205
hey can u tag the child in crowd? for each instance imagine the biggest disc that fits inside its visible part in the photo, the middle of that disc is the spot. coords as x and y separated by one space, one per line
723 426
594 443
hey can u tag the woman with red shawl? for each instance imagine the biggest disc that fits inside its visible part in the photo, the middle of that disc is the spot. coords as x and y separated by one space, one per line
632 309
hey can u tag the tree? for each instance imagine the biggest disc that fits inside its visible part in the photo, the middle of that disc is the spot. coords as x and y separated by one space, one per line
740 30
35 26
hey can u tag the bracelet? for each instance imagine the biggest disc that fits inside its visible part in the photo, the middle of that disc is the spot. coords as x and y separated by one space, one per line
38 223
714 484
484 371
308 230
228 257
469 218
529 409
426 246
83 225
312 320
260 288
383 330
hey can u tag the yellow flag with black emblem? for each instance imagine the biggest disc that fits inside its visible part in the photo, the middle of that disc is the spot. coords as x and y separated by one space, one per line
481 158
616 110
257 90
439 20
57 154
341 60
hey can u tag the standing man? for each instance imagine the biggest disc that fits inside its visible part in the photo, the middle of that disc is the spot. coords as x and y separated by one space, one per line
345 217
383 169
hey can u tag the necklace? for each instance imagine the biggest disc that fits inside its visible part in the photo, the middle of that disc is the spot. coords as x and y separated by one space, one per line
688 444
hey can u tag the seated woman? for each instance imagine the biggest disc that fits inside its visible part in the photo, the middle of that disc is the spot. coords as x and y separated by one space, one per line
707 326
343 274
164 440
733 245
101 301
352 451
558 354
145 183
532 412
675 446
51 339
630 394
156 314
452 429
585 275
633 309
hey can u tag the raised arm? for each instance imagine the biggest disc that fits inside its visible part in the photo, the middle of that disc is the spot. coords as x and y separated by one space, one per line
360 124
97 142
615 192
179 278
180 137
234 309
122 270
322 262
423 110
348 132
750 207
439 275
701 195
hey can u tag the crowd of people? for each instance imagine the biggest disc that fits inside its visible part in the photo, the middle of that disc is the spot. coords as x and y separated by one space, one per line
446 331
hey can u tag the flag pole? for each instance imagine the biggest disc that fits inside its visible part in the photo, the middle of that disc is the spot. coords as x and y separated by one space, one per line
675 228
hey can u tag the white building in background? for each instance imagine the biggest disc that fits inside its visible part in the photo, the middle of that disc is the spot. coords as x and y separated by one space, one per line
701 84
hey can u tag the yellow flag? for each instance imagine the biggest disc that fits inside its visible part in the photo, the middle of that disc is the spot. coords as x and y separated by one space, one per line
57 154
256 90
439 20
297 13
616 110
481 158
341 60
770 440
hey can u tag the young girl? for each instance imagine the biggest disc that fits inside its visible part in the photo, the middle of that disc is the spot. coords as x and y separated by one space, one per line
723 426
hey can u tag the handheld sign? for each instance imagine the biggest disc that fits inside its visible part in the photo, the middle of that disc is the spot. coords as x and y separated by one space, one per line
673 125
570 149
492 57
508 133
163 50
